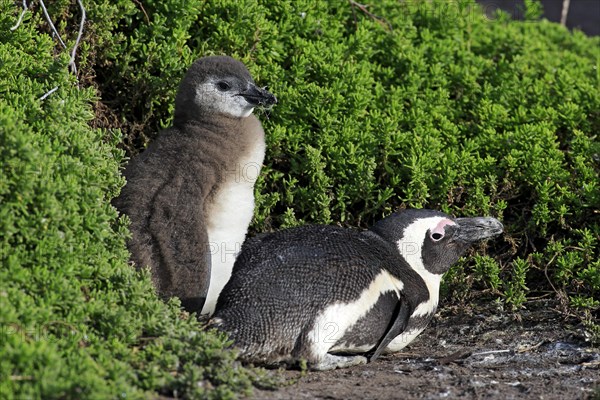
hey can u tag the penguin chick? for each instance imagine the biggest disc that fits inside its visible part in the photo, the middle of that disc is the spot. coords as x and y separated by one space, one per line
332 296
189 195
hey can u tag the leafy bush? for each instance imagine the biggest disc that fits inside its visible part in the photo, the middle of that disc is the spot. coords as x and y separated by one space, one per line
403 104
410 104
76 321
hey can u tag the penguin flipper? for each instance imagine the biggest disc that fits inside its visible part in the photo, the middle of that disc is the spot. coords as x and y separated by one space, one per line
397 327
181 248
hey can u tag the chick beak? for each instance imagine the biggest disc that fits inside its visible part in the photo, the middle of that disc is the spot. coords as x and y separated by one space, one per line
258 96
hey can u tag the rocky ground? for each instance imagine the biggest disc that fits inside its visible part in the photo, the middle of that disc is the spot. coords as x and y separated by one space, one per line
468 354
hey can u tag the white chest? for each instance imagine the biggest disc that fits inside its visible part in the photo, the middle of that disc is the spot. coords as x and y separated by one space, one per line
335 320
403 340
426 308
229 215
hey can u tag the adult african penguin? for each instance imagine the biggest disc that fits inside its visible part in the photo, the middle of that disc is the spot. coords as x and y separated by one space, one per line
333 296
189 195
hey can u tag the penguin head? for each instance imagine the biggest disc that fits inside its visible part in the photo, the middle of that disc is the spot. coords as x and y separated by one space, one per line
219 85
432 240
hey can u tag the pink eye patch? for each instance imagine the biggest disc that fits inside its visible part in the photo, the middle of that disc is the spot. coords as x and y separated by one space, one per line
439 228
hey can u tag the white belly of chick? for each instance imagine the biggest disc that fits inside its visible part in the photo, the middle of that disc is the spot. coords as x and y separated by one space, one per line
228 221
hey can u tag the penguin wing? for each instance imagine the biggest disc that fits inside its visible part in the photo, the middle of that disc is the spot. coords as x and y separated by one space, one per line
398 325
180 238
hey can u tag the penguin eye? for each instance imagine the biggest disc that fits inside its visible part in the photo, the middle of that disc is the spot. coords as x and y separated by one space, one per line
223 86
436 236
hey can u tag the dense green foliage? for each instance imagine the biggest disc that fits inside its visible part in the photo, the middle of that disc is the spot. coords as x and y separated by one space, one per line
419 104
76 321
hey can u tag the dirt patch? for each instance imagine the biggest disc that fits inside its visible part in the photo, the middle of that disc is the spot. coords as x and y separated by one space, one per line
484 354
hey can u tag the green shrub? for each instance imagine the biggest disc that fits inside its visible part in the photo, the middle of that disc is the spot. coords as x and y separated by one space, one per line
420 104
76 321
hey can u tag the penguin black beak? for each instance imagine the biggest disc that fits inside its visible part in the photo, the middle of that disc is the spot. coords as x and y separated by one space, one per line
471 230
258 96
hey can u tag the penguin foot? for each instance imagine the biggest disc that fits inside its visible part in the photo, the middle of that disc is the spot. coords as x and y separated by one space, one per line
330 362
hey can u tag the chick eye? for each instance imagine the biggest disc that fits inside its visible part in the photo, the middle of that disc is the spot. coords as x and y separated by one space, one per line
436 236
223 86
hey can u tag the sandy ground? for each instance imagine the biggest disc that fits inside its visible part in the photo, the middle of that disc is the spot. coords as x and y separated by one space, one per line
467 354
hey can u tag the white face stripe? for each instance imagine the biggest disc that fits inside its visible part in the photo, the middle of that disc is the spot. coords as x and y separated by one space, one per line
228 103
331 325
410 247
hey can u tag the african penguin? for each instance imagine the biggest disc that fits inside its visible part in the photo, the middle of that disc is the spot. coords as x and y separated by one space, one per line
189 195
332 296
